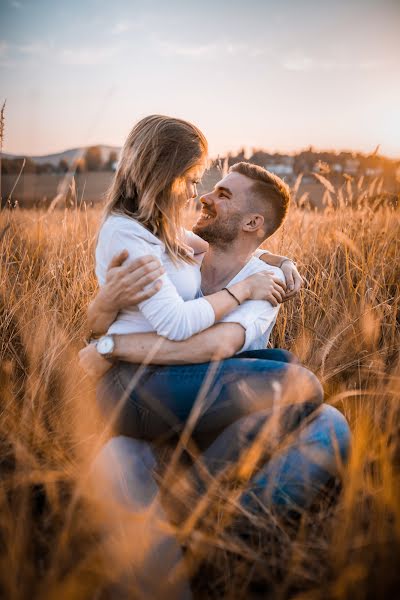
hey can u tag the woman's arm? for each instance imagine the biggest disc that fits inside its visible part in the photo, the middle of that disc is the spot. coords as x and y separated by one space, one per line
125 286
198 245
167 312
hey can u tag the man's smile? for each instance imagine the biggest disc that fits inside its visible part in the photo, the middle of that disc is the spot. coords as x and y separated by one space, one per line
205 216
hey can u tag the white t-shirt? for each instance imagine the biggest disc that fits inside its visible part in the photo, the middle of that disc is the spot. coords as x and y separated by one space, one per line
257 317
178 310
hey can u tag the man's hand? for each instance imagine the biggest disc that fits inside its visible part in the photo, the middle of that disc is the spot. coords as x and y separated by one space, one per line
294 281
92 363
124 287
126 280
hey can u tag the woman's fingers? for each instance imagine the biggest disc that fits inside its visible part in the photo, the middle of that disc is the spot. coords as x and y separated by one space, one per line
272 300
278 295
279 283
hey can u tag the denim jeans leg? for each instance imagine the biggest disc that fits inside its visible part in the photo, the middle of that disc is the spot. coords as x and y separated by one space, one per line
123 472
287 479
214 395
294 477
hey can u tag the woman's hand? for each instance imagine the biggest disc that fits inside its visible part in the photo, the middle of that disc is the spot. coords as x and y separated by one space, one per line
265 286
126 281
294 281
92 363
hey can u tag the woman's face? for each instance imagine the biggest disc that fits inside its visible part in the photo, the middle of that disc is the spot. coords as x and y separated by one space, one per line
192 178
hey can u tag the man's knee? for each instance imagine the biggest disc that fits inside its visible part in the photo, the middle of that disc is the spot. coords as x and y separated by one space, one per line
336 430
302 386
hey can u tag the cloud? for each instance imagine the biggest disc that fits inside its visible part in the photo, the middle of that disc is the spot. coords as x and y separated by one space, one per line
210 50
88 55
33 49
302 62
4 55
16 4
126 25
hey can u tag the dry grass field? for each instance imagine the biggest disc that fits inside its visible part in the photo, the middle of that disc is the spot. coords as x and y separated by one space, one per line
344 326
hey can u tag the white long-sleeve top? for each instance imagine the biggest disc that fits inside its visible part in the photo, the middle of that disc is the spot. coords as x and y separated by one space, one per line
173 312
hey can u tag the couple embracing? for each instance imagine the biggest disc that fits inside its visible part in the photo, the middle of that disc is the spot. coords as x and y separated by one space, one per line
181 323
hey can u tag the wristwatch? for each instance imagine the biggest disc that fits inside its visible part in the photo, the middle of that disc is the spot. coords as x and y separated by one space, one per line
105 346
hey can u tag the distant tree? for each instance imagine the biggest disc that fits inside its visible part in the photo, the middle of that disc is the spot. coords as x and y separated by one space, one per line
45 168
80 165
93 158
112 159
63 166
12 166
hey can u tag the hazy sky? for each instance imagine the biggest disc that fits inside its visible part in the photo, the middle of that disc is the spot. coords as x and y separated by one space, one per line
274 74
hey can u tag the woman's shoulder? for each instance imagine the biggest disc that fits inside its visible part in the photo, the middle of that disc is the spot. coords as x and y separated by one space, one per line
124 226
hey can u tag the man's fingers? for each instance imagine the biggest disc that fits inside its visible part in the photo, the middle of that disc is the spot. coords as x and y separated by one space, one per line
141 296
289 281
118 259
143 264
298 282
149 278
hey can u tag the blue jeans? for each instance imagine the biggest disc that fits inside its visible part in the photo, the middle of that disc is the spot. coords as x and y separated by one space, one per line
153 402
291 479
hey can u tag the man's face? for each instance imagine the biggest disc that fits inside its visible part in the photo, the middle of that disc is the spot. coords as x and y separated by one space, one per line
224 210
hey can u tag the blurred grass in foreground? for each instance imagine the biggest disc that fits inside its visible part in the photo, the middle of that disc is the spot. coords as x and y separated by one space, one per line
344 326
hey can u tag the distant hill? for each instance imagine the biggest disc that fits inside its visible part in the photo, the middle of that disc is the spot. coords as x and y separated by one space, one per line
68 155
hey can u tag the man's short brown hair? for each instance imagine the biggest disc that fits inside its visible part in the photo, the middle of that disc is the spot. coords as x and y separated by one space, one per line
270 191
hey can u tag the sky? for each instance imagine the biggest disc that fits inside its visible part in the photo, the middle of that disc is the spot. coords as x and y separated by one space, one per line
261 74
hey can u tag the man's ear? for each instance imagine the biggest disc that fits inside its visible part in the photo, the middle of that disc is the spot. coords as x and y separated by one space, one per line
253 222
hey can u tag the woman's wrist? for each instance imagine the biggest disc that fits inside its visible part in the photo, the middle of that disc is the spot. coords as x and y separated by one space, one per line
241 291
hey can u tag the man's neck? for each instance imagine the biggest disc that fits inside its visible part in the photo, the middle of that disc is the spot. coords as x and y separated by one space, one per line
221 264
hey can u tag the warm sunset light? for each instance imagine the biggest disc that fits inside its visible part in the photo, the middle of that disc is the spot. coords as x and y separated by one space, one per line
200 299
255 74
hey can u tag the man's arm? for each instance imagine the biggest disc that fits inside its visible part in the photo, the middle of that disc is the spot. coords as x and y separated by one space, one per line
294 281
216 343
220 341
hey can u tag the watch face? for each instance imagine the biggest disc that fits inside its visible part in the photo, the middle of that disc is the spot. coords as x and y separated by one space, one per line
105 345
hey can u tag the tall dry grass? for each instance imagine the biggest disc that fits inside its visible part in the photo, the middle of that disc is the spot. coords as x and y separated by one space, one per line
344 326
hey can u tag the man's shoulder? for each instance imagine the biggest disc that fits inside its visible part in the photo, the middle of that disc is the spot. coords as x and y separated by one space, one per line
255 265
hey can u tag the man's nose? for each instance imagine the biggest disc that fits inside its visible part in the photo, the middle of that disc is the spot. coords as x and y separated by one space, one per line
205 199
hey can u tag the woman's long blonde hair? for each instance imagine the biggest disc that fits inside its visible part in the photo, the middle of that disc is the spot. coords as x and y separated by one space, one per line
149 184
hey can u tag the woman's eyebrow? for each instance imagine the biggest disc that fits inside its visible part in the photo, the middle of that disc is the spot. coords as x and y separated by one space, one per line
221 188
